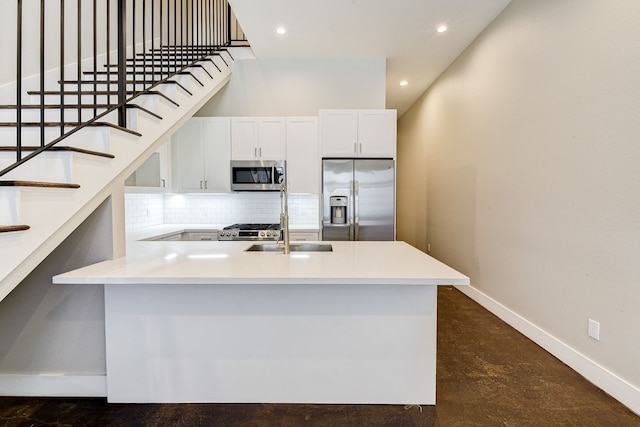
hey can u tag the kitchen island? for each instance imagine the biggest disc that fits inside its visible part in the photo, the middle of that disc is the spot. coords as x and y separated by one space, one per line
211 322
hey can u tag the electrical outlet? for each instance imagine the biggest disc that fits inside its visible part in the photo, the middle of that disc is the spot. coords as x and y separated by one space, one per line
428 247
594 329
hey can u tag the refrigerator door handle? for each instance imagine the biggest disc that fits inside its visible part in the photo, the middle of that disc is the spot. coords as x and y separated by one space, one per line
356 196
351 214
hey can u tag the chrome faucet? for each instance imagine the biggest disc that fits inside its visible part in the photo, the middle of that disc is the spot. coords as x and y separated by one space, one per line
284 215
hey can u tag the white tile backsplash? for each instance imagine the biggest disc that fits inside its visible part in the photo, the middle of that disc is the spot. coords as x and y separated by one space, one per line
143 210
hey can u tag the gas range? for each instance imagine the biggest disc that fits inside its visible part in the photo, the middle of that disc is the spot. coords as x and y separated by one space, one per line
250 232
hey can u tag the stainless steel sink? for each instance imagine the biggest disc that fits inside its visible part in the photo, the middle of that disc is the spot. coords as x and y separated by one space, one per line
294 247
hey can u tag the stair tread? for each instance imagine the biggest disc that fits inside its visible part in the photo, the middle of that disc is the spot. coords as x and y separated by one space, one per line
42 184
60 148
12 228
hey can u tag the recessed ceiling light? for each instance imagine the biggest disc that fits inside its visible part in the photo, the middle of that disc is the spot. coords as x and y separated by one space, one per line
281 30
442 28
404 83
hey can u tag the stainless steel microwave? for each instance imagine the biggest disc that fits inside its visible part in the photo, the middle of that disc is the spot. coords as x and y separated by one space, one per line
257 175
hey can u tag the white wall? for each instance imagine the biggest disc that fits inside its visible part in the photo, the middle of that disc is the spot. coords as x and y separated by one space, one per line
31 40
531 143
299 87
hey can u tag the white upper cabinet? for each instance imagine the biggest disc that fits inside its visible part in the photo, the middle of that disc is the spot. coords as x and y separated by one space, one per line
303 159
258 138
358 133
217 154
202 154
155 172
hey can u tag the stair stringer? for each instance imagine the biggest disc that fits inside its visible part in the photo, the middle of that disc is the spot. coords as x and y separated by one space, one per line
98 178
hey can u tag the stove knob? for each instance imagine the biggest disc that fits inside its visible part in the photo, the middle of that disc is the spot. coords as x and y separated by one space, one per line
262 233
235 234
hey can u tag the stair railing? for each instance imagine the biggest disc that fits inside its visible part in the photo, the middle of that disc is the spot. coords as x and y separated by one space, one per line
151 42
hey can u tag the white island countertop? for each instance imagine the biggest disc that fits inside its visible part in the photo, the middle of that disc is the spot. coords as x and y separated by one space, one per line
169 262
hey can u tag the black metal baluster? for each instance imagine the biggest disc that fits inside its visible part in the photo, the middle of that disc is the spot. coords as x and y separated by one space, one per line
133 42
220 19
42 118
175 39
122 62
144 46
108 59
95 59
153 38
196 23
181 46
205 23
192 23
19 82
79 61
228 24
62 84
160 16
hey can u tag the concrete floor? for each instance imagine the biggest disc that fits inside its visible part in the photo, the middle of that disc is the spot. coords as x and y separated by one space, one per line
488 375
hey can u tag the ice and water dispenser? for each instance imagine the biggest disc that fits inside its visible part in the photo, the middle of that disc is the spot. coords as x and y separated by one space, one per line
338 206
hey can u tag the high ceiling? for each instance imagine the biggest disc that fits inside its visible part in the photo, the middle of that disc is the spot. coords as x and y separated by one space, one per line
402 31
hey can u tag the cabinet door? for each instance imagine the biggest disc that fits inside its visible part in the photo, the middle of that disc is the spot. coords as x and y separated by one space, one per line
303 159
187 154
216 134
338 133
377 133
244 138
165 164
271 138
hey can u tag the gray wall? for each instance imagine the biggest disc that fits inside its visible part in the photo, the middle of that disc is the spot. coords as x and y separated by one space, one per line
524 161
59 329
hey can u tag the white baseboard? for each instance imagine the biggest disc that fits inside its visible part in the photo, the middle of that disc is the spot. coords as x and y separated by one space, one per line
51 385
621 390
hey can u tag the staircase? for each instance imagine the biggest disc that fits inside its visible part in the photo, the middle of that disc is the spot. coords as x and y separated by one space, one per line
63 152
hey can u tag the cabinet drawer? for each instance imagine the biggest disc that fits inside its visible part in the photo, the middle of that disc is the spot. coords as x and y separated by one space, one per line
303 236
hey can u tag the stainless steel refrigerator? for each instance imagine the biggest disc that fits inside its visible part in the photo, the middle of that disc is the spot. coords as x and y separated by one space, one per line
358 199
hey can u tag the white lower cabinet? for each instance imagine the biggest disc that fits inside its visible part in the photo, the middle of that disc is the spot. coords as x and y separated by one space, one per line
201 155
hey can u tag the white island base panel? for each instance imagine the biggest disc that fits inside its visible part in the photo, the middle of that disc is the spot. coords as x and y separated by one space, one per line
244 343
